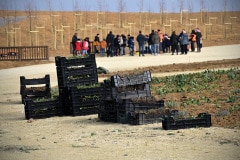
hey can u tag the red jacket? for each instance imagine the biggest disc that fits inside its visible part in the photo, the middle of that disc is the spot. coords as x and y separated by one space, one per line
78 46
85 45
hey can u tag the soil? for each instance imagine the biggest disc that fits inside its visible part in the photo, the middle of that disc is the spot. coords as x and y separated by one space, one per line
87 138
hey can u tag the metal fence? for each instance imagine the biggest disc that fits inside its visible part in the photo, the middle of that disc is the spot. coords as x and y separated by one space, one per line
24 53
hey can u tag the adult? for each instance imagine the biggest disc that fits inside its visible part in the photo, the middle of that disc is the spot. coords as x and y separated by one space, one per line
199 39
110 43
151 45
124 44
96 43
192 40
184 42
155 40
174 42
141 41
74 40
116 46
166 44
161 40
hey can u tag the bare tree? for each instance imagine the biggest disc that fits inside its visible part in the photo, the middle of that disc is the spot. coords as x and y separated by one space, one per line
203 9
190 6
140 5
225 4
29 8
121 8
100 6
162 5
180 4
87 7
77 15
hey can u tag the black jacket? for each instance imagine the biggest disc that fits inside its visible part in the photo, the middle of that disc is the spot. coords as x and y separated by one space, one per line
110 38
174 39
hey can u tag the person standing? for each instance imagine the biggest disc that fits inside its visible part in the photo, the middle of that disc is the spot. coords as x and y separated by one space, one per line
174 42
156 41
192 39
123 47
85 46
110 43
78 47
116 46
74 40
141 41
160 34
199 39
184 42
96 43
131 45
166 44
151 45
103 46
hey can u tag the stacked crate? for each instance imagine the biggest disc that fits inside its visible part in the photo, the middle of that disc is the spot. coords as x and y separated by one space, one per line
75 72
119 102
34 88
42 109
37 99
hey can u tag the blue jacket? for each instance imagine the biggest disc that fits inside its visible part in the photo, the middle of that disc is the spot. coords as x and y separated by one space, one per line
141 39
184 38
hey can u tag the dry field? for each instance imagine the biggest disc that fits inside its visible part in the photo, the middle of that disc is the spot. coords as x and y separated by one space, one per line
87 138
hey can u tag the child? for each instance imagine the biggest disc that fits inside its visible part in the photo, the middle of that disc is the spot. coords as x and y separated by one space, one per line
131 45
78 47
85 47
103 46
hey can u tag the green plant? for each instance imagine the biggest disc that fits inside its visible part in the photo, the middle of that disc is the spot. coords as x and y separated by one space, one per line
156 80
171 104
232 98
235 108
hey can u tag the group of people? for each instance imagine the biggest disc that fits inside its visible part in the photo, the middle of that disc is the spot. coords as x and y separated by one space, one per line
82 47
155 43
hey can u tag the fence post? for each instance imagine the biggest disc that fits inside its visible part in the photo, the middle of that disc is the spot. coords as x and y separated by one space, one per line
47 53
19 53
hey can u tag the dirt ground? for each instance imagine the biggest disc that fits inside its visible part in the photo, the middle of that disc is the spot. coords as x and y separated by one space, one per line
88 138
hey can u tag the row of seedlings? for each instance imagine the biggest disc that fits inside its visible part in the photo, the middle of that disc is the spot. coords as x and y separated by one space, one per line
37 98
79 90
127 99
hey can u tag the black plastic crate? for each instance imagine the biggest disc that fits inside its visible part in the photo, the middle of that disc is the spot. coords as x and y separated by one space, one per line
35 88
84 110
42 109
107 116
109 105
74 81
72 72
171 123
83 101
118 81
82 71
140 112
144 117
127 92
75 61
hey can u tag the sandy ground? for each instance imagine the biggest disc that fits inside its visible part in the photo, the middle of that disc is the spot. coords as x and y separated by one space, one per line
87 138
